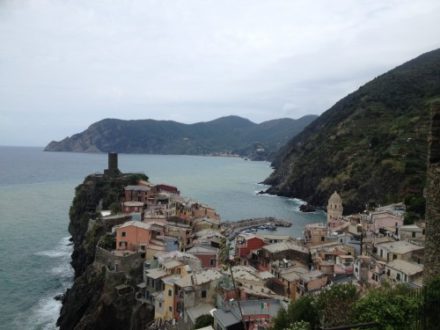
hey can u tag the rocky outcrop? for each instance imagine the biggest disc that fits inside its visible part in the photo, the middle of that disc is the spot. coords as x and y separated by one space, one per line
370 146
93 301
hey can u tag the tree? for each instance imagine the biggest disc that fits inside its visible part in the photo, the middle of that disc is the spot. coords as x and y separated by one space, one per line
336 303
391 308
431 298
280 322
302 310
204 321
301 325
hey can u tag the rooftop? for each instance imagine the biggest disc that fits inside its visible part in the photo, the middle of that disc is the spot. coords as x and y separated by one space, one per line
199 310
406 267
137 224
156 273
199 278
274 237
411 228
133 204
311 275
137 188
265 275
172 279
284 246
170 264
202 250
291 276
226 317
400 247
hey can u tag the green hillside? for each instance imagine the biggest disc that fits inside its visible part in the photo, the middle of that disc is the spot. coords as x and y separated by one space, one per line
371 146
230 134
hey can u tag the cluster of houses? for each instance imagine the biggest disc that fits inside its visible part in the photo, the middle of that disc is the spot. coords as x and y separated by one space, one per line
189 269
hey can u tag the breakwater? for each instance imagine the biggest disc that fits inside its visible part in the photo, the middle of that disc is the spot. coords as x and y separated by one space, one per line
232 229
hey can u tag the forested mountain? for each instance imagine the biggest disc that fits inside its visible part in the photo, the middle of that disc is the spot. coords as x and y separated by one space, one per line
230 134
371 146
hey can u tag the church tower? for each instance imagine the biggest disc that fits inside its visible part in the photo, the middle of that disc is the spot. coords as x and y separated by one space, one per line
334 209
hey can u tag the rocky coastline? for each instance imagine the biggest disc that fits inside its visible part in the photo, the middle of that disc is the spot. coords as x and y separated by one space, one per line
91 302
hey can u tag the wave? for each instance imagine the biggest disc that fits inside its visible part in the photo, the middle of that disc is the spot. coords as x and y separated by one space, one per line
298 201
43 315
64 271
62 249
259 193
45 312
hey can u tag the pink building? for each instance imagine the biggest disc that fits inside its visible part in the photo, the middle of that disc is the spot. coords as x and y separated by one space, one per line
207 255
132 235
384 219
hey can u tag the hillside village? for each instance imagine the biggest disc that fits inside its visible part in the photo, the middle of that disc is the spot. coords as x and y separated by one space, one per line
192 266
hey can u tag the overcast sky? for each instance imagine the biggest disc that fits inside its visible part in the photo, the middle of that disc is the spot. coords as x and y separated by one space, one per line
65 64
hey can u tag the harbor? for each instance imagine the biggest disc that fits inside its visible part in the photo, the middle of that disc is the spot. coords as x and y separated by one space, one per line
232 229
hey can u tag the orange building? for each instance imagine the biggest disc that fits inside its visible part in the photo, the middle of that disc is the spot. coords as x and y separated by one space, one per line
133 236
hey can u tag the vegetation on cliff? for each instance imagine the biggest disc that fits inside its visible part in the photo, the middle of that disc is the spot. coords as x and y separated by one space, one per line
92 302
228 134
371 146
389 307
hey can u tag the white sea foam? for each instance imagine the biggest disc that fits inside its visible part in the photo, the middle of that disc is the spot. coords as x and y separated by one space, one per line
62 249
63 271
45 313
298 201
52 254
258 192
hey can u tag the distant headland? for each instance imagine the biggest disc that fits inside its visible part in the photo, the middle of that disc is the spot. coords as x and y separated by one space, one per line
226 136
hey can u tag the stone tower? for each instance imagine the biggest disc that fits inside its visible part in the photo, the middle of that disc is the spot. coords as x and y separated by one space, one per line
113 169
334 208
432 243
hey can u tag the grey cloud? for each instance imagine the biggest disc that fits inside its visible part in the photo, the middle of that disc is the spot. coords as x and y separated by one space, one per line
65 64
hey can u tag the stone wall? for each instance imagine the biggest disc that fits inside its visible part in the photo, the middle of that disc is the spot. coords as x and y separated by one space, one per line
117 263
432 246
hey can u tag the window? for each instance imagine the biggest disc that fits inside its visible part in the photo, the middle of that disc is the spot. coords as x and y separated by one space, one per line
123 234
398 276
388 272
170 309
212 262
203 293
413 234
170 292
160 305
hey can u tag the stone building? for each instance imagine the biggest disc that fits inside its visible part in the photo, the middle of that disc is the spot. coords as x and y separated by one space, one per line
112 169
334 209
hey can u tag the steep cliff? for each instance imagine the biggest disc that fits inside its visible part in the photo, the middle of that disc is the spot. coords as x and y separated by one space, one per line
370 146
224 135
93 302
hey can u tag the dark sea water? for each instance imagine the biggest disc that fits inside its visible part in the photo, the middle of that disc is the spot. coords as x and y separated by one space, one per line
36 190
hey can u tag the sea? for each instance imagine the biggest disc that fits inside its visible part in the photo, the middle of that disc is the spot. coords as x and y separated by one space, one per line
36 191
